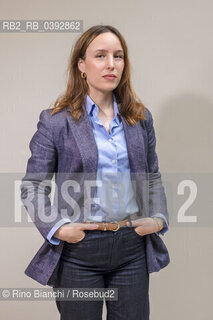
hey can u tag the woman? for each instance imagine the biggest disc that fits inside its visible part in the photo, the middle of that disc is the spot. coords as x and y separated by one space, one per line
97 135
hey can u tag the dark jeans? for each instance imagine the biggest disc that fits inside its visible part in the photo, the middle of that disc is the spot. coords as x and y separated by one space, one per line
106 259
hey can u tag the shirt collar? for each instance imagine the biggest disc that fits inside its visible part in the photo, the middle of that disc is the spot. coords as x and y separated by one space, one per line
92 108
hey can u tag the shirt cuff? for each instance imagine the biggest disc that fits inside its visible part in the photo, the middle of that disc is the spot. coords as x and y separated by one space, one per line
50 236
166 225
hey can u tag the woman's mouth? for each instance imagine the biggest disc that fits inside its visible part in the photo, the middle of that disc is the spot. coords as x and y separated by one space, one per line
109 77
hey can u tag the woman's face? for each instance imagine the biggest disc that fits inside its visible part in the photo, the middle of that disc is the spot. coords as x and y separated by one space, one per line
104 56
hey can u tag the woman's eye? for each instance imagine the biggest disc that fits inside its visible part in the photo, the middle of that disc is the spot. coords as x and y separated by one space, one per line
102 55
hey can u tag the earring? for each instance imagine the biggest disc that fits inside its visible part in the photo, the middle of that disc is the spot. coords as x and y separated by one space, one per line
83 75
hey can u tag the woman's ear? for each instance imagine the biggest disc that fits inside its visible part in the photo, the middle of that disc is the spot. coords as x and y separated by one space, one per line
81 65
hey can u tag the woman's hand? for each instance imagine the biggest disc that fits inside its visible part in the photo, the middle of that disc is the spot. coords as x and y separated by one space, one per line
73 232
144 226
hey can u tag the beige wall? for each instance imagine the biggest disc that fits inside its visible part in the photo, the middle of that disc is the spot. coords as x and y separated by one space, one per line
170 50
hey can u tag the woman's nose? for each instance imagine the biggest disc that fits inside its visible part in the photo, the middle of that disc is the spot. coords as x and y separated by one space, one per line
110 61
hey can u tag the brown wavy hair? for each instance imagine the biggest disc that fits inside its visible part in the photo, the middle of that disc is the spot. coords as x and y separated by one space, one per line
130 106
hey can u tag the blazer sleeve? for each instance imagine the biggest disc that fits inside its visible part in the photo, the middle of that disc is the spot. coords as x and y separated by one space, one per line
157 197
36 184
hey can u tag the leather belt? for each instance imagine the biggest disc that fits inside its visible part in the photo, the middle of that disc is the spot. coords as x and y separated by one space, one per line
114 225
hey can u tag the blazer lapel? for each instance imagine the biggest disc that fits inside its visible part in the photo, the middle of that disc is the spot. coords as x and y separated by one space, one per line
83 134
135 146
137 162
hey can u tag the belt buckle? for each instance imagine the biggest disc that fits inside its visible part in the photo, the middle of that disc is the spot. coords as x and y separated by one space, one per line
118 225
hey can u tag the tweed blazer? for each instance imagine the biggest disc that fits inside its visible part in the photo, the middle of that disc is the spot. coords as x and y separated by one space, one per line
67 150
